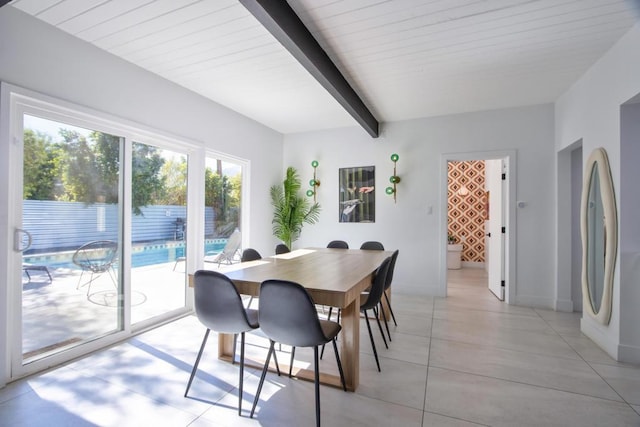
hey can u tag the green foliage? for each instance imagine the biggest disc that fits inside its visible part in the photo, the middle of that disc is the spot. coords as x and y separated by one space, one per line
147 184
175 188
40 170
86 168
291 211
222 193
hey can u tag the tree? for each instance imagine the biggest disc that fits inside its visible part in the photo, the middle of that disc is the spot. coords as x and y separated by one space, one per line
291 211
175 179
40 171
147 183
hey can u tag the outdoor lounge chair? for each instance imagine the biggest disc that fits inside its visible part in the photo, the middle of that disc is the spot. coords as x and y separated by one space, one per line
96 257
42 268
230 252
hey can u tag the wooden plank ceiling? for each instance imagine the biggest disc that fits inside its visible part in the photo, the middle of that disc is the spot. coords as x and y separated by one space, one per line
405 58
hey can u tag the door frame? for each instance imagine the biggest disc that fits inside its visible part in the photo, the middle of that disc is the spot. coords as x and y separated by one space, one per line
509 200
12 101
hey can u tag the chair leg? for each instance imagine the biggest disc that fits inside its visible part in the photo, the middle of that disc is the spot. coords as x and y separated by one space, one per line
377 315
330 311
195 365
241 373
235 344
317 384
393 316
275 360
264 374
335 349
373 344
322 351
386 322
293 353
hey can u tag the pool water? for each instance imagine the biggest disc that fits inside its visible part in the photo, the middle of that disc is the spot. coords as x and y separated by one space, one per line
150 254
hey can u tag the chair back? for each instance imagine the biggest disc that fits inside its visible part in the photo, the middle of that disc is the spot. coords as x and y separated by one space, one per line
392 267
96 256
282 249
250 254
338 244
233 244
372 246
288 315
377 285
218 304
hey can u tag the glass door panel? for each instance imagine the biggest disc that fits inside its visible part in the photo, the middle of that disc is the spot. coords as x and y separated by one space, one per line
223 190
158 231
71 220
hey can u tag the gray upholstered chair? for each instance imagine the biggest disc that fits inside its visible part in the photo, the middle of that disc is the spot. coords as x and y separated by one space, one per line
338 244
288 316
373 300
372 246
219 307
250 254
281 248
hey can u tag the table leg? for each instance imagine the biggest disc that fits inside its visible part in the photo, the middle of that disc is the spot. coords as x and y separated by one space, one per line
225 347
350 344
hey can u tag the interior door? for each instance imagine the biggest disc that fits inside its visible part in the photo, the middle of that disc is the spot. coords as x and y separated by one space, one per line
495 185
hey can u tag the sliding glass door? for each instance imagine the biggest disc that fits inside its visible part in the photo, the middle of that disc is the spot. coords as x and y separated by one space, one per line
99 216
70 238
223 203
158 231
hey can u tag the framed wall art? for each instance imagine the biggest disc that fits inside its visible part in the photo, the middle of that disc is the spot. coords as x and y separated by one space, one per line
357 196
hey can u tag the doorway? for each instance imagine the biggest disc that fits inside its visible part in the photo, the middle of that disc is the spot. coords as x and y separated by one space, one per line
493 200
93 207
569 289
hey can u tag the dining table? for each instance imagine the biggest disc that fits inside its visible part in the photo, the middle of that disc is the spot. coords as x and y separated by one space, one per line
333 277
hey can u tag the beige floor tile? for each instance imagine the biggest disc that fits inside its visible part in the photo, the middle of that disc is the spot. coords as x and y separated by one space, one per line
553 372
624 379
497 402
476 359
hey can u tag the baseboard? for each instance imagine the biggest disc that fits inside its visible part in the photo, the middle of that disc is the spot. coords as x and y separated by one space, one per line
629 354
597 333
564 305
531 301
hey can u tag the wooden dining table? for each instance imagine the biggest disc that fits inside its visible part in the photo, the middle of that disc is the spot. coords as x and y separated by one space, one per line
333 277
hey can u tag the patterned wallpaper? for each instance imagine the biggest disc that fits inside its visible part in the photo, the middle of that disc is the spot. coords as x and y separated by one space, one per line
466 213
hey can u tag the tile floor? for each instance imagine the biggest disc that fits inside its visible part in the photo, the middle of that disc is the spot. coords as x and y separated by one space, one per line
461 361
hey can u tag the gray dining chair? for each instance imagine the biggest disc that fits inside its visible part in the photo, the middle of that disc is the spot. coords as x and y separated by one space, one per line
250 254
338 244
219 307
288 316
281 248
387 285
372 302
372 246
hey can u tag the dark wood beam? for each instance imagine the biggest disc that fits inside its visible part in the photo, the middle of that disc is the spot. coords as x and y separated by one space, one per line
283 23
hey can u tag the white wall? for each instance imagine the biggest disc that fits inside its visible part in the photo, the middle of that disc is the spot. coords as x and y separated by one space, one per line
590 110
36 56
408 225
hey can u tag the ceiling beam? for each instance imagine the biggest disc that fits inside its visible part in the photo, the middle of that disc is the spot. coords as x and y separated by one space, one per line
283 23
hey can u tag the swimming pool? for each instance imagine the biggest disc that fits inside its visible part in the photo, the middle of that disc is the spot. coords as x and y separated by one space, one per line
141 255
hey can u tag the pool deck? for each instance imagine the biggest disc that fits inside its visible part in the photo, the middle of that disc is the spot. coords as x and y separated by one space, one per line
64 311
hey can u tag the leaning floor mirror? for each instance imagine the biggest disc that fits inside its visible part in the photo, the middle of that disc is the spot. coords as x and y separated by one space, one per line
599 228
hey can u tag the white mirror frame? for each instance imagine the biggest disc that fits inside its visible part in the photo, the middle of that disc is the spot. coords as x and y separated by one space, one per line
599 157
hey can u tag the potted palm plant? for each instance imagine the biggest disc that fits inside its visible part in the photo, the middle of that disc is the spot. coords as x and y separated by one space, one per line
291 211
